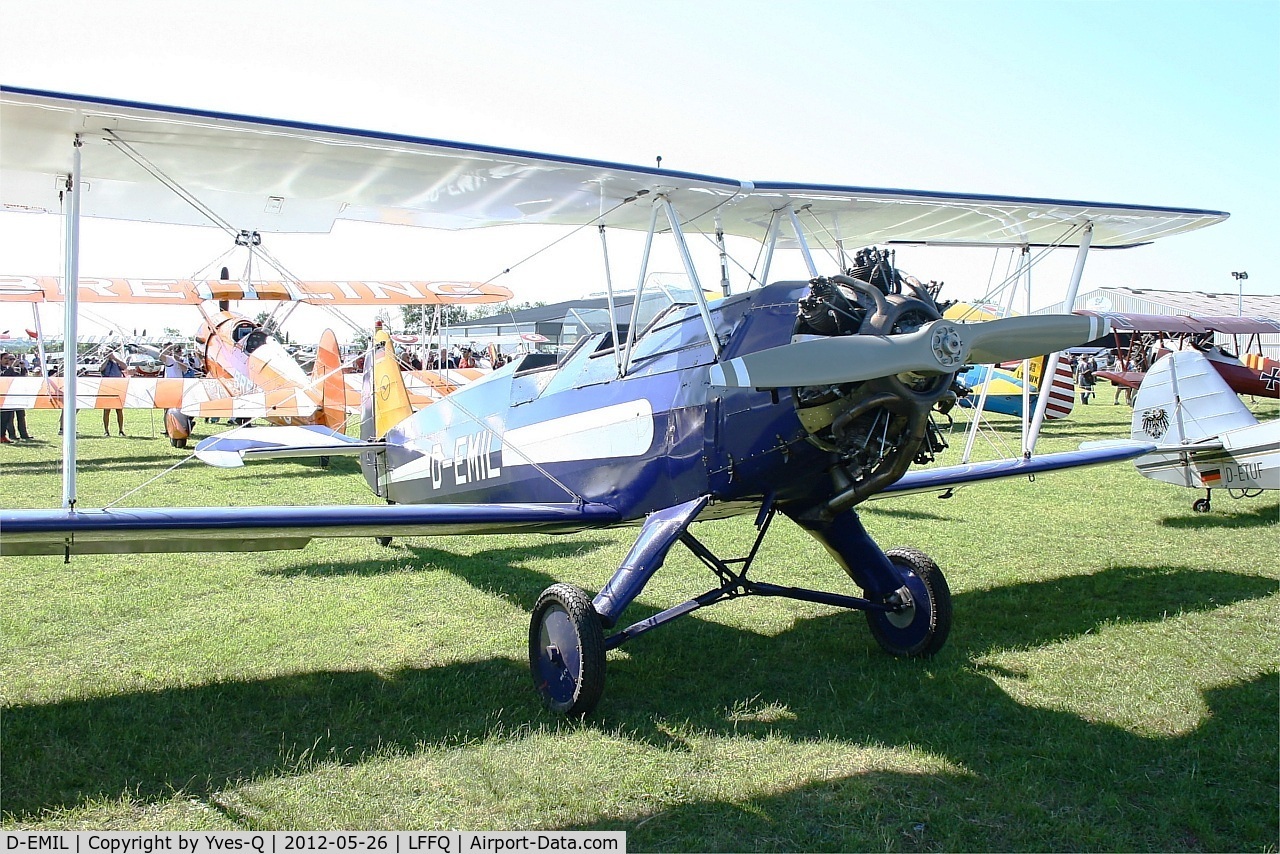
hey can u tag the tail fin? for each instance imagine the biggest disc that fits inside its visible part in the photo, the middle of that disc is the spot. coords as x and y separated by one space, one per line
1184 399
385 400
1062 391
328 382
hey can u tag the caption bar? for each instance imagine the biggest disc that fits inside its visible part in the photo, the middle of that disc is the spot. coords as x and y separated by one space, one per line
283 842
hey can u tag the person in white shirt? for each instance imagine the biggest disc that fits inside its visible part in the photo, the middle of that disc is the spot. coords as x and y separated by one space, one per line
175 363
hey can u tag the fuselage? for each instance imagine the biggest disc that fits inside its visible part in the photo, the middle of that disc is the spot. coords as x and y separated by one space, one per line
240 351
657 436
1248 459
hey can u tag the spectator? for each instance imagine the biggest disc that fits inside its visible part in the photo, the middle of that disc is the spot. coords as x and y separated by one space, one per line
20 415
113 366
1085 377
8 417
175 362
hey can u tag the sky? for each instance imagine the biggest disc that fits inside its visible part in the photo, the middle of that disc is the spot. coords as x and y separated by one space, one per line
1154 103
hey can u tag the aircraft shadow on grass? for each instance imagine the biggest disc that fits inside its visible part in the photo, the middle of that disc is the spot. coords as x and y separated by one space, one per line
1246 517
474 568
824 670
1233 809
53 468
297 468
905 514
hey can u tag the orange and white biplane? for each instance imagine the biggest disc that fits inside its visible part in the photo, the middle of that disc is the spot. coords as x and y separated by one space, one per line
248 372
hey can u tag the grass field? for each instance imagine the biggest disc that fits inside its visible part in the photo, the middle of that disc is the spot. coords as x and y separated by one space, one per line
1110 681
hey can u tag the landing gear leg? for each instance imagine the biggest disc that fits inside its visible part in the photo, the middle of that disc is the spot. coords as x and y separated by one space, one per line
1201 505
917 619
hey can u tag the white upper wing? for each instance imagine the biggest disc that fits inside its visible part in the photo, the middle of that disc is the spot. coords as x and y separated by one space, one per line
273 175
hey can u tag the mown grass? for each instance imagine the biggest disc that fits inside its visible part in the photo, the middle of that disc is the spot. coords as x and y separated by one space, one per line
1110 682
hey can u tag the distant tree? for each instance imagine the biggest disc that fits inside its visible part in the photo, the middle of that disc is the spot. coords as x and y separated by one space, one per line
453 315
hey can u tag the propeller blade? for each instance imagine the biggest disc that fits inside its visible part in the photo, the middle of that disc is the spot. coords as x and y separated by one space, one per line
1012 338
940 347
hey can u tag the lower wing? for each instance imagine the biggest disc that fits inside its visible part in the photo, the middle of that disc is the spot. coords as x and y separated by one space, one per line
950 478
278 403
237 529
112 393
207 398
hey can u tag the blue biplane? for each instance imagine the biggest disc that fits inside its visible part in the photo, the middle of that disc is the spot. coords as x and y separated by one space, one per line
802 397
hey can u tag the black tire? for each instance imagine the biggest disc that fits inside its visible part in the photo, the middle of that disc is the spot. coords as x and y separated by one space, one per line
324 462
566 651
1201 505
178 443
382 541
921 629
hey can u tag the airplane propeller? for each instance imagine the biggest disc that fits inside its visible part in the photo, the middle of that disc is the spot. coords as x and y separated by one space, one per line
940 347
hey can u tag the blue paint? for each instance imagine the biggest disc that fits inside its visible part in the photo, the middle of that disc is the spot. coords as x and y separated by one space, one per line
660 532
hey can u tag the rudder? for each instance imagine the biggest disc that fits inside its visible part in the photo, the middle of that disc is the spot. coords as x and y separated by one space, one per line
328 382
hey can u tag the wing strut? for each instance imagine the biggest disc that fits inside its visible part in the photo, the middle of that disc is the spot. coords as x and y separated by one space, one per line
980 406
804 244
613 311
70 332
689 269
1051 364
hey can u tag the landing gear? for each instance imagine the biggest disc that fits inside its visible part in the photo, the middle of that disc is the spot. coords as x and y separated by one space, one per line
566 650
908 603
178 443
1201 505
921 620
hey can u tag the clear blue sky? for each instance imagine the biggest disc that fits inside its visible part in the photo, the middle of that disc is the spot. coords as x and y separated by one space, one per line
1169 103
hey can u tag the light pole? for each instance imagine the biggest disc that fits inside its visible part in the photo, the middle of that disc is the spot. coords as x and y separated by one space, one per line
1240 277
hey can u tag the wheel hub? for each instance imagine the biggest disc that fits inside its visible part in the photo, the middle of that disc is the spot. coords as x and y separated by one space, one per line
905 613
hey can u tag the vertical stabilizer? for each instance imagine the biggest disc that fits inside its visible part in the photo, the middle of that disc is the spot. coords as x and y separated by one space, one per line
1184 399
1062 391
385 399
329 384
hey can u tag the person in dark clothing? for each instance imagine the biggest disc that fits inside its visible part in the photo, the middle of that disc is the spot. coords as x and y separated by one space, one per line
13 422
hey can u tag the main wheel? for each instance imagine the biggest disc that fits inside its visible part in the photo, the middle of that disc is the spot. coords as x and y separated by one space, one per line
919 627
566 650
1200 505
